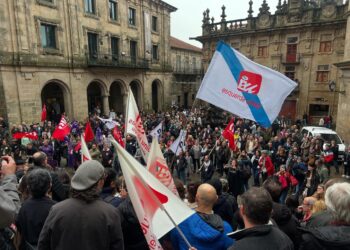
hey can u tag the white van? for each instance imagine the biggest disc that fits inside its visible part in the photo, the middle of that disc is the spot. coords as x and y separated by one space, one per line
327 135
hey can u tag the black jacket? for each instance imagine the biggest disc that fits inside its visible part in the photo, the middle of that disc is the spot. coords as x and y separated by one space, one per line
235 182
132 232
265 237
31 219
206 174
326 238
58 190
226 206
286 222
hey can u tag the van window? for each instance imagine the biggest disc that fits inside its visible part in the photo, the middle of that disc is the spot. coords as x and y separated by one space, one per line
331 137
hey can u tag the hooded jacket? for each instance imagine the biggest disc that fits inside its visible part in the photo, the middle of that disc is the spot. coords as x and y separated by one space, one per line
204 232
326 238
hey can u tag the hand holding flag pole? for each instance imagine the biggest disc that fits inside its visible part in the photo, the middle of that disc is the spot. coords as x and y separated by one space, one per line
140 177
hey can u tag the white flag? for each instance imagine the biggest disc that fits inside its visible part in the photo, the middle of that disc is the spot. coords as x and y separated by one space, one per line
110 124
85 154
134 126
243 87
178 145
150 199
157 131
157 166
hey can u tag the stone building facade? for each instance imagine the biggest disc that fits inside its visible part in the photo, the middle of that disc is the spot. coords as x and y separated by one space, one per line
302 39
187 72
343 118
75 55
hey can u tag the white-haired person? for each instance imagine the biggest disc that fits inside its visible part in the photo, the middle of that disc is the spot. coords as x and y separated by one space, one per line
335 236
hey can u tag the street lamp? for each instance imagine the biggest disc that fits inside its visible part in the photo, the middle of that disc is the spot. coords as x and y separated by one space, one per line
332 88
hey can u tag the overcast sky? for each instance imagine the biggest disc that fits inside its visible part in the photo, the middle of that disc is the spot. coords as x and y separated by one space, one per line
187 20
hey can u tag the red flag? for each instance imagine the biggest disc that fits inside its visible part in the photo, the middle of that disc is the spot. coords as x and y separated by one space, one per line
61 130
89 134
229 134
29 135
118 136
43 114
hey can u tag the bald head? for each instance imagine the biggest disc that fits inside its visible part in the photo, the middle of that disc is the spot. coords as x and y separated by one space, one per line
39 159
206 195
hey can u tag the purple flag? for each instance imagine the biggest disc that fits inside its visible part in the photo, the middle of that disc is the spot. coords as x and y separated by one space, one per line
75 128
98 135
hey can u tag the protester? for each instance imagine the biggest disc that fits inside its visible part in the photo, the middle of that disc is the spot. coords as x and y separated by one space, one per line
40 160
235 180
83 221
255 207
336 235
207 170
281 214
9 201
110 190
204 230
34 211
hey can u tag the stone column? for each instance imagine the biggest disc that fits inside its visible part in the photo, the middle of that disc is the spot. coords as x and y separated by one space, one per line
105 104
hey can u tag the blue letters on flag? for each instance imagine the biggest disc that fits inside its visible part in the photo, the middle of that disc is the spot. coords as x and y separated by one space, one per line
243 87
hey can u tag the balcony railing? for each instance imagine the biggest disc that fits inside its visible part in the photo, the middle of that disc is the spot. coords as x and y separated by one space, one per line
187 71
291 58
108 60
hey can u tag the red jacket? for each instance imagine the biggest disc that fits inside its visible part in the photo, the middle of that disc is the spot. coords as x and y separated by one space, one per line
268 165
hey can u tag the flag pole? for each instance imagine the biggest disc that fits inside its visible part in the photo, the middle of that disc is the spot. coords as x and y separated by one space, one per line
126 115
156 199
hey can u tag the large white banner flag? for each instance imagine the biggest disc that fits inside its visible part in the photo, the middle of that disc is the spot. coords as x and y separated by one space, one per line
178 145
243 87
134 126
152 201
85 154
157 131
157 166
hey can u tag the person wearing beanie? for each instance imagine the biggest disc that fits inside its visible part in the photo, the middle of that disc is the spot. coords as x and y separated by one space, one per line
83 221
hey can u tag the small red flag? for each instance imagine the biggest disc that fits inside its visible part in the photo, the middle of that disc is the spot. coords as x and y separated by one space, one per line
118 136
229 134
43 114
61 130
29 135
89 134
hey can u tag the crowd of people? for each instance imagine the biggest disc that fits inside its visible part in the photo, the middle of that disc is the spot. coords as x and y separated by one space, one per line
278 189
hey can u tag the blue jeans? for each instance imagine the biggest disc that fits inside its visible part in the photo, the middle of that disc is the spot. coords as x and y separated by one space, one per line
182 176
283 196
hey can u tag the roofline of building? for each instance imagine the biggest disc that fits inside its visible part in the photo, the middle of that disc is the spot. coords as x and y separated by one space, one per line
231 34
196 50
166 5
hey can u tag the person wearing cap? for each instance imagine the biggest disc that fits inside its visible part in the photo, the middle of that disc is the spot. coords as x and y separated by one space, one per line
83 221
